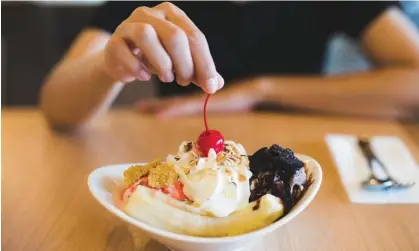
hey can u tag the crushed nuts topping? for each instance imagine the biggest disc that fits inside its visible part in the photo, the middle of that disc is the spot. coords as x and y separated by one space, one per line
186 170
228 172
163 175
193 162
188 147
221 158
136 172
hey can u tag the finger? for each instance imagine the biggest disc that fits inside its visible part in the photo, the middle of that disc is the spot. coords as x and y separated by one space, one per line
122 75
146 67
220 81
205 71
118 56
145 38
143 60
174 40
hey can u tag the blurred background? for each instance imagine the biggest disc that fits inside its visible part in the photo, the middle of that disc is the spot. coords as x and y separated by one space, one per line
36 34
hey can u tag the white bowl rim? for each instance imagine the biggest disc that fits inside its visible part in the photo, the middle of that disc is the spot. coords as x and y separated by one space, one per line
296 210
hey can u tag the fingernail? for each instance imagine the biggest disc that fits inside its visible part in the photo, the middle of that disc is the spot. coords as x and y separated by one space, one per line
220 82
212 85
144 75
183 82
167 77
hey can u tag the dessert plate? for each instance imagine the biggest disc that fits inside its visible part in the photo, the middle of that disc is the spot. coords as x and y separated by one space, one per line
105 182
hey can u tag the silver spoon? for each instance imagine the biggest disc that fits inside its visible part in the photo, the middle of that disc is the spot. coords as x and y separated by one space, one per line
373 182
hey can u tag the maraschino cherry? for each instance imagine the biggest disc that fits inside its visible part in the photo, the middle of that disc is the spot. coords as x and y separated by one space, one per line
209 138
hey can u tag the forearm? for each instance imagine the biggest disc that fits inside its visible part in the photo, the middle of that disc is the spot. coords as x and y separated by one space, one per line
385 93
76 91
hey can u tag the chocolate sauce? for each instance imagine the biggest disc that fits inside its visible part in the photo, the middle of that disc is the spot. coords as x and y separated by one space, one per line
257 205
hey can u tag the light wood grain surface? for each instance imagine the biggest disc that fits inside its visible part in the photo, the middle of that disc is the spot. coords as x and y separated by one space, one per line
46 204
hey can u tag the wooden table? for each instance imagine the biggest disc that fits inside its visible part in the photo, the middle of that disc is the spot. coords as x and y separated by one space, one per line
46 204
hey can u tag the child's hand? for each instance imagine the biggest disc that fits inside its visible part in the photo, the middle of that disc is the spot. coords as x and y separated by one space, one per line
164 41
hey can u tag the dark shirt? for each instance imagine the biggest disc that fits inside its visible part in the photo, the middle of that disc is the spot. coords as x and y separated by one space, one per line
261 38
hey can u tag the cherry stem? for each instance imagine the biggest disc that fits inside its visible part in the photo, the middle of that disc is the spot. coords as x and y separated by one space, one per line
205 112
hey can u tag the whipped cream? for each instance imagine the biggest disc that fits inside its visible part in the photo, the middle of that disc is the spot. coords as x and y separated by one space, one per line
218 184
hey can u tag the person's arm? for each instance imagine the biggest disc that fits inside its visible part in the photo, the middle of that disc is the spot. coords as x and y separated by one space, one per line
150 41
389 91
78 87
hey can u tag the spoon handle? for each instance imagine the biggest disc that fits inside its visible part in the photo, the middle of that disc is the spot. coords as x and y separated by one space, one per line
366 149
365 146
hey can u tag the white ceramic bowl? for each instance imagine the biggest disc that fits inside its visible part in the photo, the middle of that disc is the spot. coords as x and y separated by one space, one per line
104 181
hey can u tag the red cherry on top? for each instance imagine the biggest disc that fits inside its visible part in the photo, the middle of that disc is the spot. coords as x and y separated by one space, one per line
210 139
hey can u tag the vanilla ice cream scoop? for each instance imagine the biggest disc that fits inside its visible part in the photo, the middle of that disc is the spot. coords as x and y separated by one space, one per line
218 184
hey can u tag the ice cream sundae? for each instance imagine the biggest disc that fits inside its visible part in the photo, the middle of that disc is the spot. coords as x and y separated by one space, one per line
212 188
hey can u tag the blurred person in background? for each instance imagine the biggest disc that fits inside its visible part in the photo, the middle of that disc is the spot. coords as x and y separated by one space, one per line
263 52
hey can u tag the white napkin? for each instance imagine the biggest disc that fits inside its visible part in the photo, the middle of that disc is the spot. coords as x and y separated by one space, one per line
353 168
